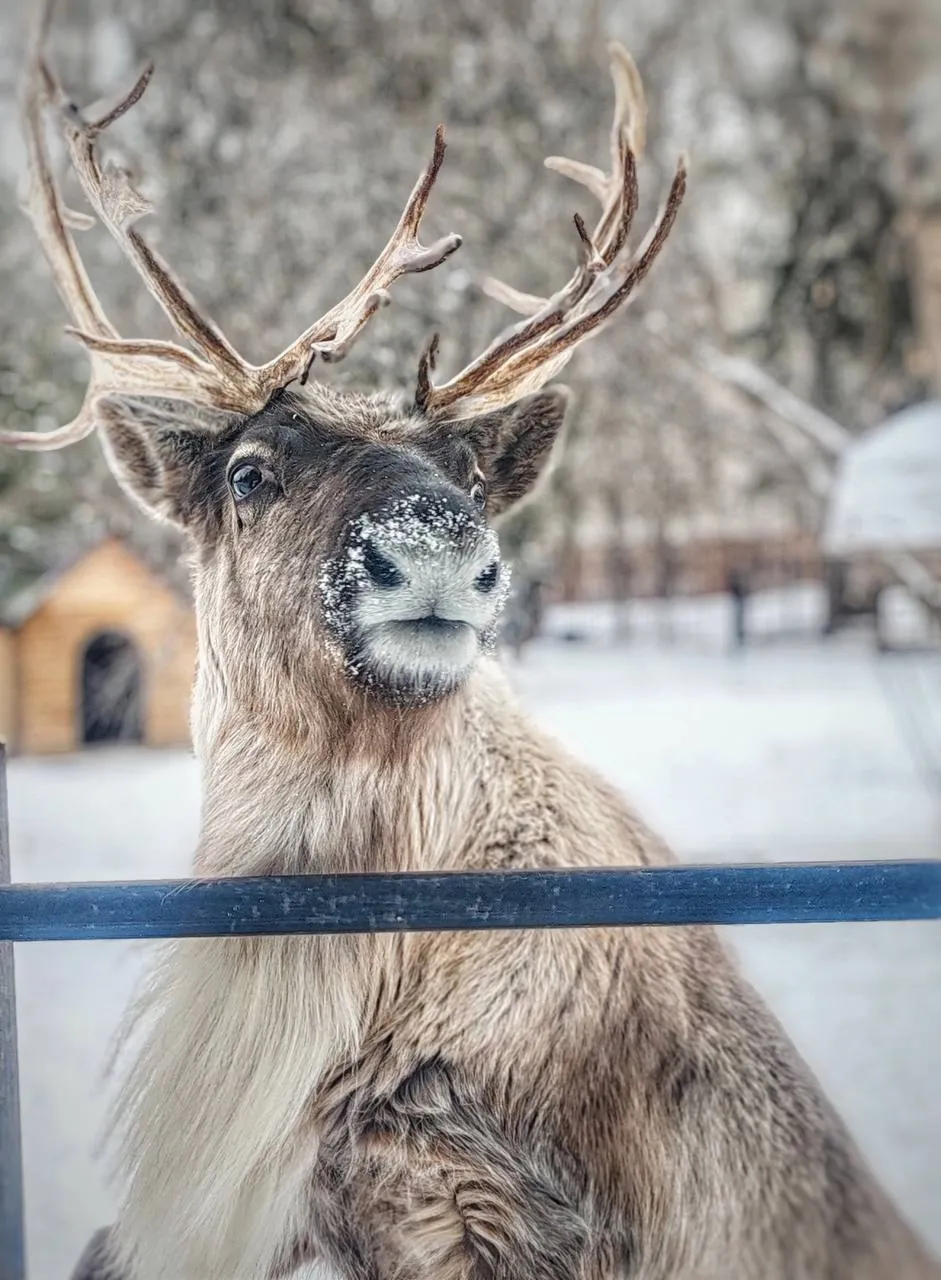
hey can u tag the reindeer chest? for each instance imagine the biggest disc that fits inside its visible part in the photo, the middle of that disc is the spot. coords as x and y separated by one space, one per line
418 1173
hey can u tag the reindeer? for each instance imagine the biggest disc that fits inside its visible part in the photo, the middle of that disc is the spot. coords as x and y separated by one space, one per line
597 1104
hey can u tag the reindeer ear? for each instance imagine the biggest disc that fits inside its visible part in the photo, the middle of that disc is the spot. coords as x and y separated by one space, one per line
160 450
513 446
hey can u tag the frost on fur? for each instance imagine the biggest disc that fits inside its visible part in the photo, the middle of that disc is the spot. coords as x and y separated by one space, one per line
418 632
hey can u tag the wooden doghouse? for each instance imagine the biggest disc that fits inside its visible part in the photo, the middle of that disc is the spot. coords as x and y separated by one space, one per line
103 651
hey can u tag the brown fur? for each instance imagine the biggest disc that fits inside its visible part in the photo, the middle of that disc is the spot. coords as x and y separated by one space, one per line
593 1104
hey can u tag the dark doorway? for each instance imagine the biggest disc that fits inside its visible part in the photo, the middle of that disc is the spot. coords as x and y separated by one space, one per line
111 690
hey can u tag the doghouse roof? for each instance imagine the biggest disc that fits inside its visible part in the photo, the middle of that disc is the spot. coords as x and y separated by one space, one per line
22 604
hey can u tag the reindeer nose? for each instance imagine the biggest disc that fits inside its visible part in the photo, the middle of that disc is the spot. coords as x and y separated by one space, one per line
424 564
488 578
430 554
379 567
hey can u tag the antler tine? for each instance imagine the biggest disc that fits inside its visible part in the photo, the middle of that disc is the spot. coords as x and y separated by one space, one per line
525 356
119 205
333 334
585 320
141 366
43 205
628 138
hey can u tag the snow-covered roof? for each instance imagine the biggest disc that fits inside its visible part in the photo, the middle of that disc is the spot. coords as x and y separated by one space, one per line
887 490
20 607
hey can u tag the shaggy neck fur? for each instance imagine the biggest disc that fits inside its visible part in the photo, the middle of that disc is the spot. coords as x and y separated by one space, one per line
236 1034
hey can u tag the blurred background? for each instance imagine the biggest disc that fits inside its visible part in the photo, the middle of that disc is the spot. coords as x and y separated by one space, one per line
728 596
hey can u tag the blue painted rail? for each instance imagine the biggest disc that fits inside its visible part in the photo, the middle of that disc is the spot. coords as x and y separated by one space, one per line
799 893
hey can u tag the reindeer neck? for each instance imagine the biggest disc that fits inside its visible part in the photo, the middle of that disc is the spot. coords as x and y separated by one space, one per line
348 785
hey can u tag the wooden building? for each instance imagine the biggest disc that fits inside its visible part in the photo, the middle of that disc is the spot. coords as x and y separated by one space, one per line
102 651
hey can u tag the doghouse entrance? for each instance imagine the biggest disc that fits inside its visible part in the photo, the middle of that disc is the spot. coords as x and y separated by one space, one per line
111 690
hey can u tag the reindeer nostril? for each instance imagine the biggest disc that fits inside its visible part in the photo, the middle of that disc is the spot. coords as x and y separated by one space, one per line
487 580
380 568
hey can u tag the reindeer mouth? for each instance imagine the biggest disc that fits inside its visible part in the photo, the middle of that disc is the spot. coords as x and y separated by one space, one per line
415 660
434 624
418 642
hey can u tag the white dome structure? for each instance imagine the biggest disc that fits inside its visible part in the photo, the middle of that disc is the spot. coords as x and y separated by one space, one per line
887 490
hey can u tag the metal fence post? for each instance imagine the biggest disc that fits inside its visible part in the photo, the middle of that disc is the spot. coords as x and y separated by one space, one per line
12 1246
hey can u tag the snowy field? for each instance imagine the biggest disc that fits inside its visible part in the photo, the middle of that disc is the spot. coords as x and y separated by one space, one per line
792 750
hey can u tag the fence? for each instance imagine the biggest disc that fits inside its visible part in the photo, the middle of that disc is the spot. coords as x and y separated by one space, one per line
741 894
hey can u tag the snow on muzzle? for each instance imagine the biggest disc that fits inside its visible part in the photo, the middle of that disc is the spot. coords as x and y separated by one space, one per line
426 560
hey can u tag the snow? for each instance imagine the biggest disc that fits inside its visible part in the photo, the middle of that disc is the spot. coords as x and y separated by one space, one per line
887 491
791 750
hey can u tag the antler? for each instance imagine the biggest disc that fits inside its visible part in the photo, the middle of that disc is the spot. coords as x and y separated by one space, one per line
525 356
212 373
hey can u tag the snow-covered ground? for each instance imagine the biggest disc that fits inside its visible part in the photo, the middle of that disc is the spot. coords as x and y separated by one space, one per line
790 750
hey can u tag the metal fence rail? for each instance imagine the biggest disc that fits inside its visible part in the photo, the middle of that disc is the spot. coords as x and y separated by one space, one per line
779 893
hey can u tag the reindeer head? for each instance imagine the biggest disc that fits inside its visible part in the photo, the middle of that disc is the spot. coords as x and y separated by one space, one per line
340 519
327 524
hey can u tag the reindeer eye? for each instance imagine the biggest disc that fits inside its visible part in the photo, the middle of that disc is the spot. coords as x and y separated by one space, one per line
244 479
478 494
